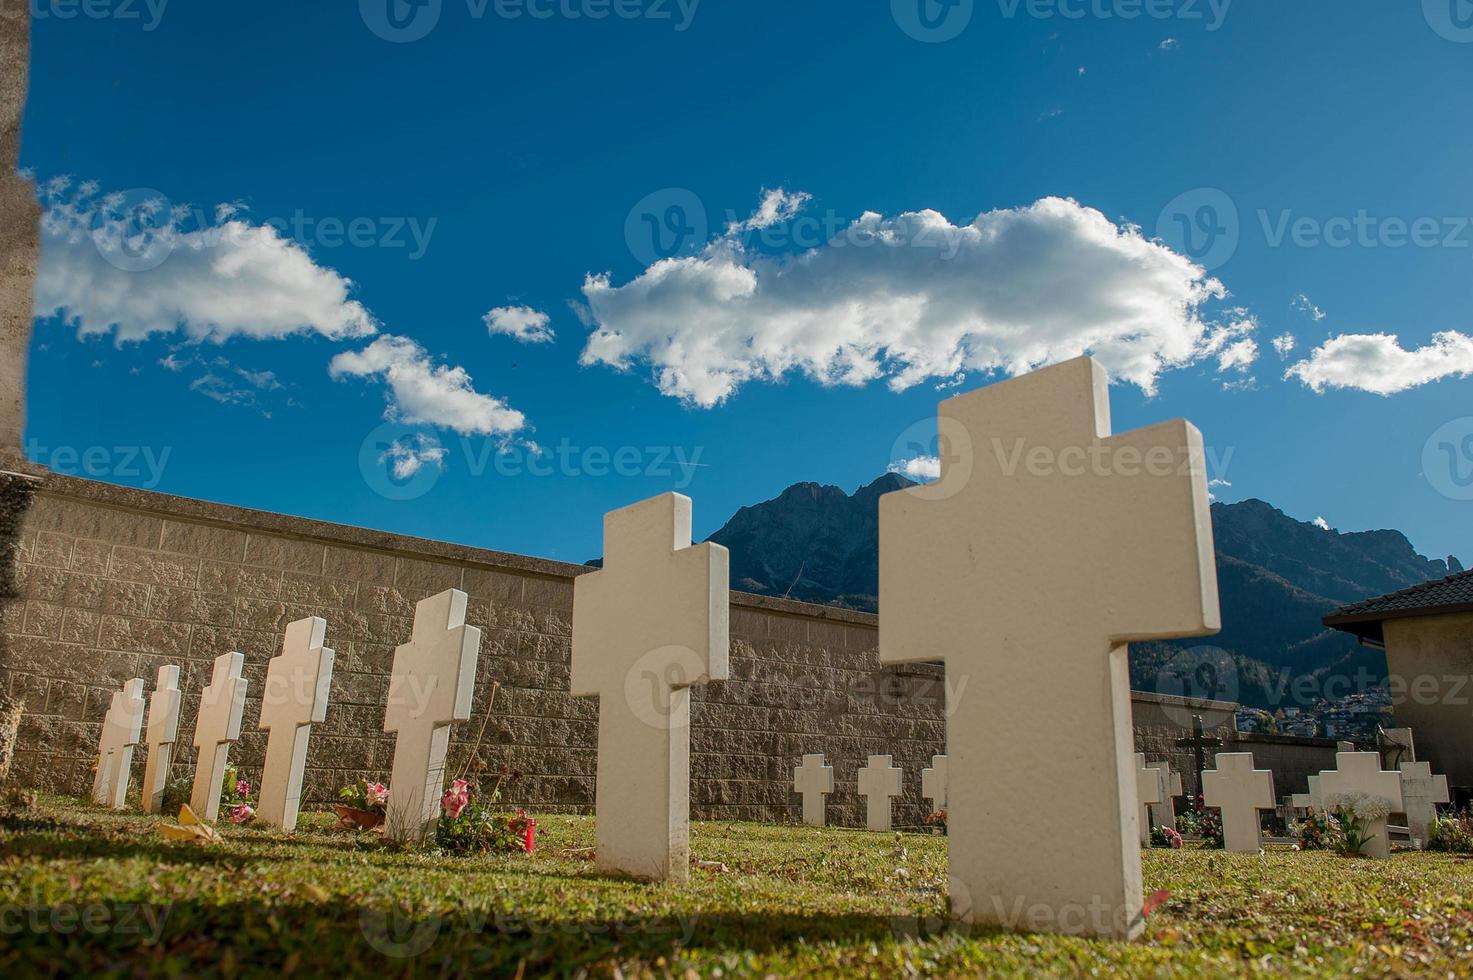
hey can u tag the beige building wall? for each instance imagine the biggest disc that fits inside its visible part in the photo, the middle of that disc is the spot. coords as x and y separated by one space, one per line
1431 658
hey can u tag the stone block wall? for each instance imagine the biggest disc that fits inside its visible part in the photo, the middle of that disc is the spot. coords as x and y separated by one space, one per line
114 583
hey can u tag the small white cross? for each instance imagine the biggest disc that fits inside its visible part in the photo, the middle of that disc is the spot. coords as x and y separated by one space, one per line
1421 792
1239 791
1148 790
431 685
217 726
120 731
163 732
1163 814
297 685
1361 772
933 783
879 783
814 781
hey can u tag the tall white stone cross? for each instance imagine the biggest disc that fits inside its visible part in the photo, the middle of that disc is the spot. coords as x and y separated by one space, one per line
879 783
217 726
1044 548
161 732
933 783
1163 814
1421 792
297 685
646 627
120 731
1361 772
1149 790
1239 791
431 685
814 781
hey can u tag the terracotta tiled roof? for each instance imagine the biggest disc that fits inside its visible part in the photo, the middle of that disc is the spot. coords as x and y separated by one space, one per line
1451 594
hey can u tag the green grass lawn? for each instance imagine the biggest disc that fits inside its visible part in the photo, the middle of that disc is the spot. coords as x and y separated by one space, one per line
85 892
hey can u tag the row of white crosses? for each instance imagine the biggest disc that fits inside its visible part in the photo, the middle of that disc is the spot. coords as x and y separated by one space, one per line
1157 787
1044 548
879 784
1411 788
430 687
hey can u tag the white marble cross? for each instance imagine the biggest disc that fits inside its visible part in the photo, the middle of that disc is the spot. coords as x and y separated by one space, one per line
431 685
933 783
879 783
1163 814
813 780
646 627
1239 791
217 726
120 732
297 685
1361 772
1421 792
1149 790
161 732
1313 800
1046 546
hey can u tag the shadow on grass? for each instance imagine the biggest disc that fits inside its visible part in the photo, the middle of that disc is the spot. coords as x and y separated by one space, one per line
336 938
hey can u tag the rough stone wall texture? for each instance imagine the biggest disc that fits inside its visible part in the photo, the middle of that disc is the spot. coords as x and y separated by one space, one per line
116 582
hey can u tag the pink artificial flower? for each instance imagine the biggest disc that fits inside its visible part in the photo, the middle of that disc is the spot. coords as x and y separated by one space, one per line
241 812
456 798
376 794
243 788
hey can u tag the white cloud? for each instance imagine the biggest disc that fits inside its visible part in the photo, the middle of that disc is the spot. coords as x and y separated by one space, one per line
920 468
913 298
1214 484
422 393
1284 344
777 206
137 266
1321 523
523 323
1377 362
1169 44
1304 304
408 456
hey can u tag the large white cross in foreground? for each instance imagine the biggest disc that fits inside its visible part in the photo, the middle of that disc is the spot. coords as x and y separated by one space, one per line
1044 548
1361 772
879 784
647 626
1239 791
120 731
161 732
431 685
217 726
297 685
813 780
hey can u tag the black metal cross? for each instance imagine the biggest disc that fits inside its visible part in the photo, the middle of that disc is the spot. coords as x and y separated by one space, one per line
1197 743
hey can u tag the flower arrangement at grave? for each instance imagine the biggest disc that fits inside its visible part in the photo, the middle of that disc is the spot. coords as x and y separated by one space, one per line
1202 822
470 827
1317 832
1451 834
364 805
1166 837
937 821
1353 814
235 797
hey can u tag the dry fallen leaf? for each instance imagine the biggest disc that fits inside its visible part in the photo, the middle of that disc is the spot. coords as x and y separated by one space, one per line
190 828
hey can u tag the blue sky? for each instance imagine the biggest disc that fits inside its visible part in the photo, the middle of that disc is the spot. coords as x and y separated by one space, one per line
1175 191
